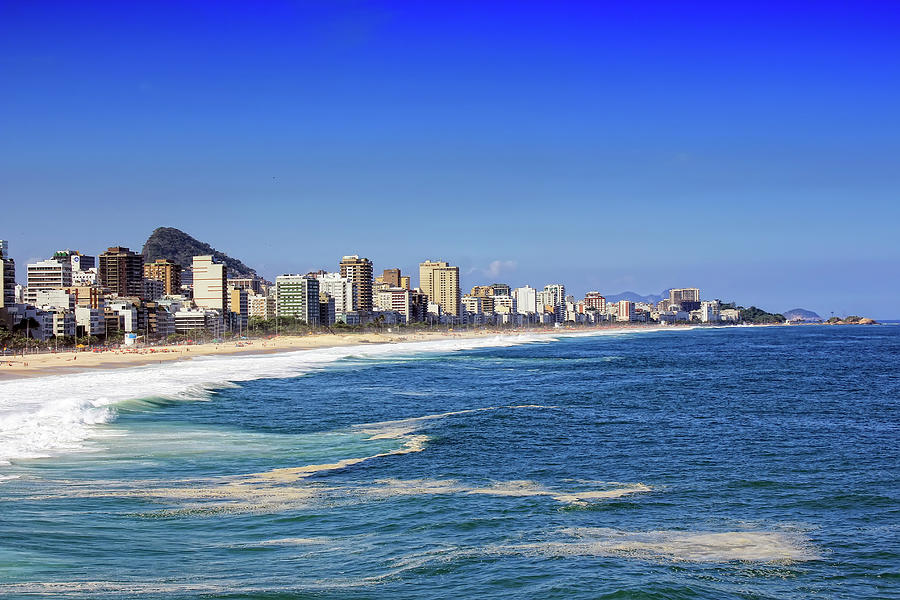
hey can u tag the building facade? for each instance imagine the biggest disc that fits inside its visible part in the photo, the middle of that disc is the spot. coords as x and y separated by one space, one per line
526 300
7 276
595 300
297 296
167 271
45 275
342 289
122 271
210 288
359 271
440 282
261 306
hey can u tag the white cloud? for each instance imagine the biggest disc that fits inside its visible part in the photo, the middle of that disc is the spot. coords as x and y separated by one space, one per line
498 267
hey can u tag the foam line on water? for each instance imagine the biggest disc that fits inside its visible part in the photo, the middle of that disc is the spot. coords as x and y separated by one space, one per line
292 487
43 416
679 546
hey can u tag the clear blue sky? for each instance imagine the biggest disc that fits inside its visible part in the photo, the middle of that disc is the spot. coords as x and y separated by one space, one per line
749 149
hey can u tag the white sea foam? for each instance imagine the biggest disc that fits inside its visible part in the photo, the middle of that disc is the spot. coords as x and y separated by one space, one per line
686 546
44 416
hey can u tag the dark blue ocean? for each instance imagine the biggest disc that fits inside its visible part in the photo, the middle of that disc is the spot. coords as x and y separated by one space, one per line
723 463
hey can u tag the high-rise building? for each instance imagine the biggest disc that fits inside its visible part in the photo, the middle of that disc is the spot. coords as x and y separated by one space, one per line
341 289
359 271
210 288
239 305
526 300
122 271
7 276
595 300
687 298
440 282
556 294
167 271
391 277
625 311
405 282
297 296
45 275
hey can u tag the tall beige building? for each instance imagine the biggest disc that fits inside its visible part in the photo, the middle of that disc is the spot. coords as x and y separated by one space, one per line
210 289
440 282
167 271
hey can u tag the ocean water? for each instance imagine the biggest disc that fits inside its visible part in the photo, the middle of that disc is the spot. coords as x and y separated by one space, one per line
684 463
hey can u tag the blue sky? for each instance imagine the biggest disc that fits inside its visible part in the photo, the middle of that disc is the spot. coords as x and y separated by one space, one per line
750 150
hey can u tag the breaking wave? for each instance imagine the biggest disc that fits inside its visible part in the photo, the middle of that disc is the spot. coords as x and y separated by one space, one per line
44 416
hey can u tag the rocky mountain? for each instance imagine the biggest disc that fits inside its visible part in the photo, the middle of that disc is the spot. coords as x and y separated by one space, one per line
801 314
176 245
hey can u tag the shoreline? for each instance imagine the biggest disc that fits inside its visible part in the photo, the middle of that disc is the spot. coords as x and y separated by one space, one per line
52 363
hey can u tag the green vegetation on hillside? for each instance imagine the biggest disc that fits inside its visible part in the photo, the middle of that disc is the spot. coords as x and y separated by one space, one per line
759 316
176 245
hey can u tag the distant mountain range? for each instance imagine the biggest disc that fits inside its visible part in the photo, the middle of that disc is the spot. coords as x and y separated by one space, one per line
801 314
176 245
635 297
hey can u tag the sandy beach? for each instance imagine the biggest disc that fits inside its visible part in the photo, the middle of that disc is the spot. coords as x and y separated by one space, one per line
50 363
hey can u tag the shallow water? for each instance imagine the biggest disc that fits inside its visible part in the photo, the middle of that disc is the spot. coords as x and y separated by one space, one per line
727 463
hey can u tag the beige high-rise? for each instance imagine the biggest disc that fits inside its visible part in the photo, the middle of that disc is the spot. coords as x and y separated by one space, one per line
210 289
167 271
440 282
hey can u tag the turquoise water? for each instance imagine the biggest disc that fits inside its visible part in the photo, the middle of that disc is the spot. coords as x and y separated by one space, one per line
728 463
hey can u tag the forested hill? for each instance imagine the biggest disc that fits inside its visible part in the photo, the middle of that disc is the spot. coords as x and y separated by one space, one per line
176 245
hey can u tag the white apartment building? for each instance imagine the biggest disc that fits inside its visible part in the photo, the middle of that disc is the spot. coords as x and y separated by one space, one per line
54 298
84 278
188 320
709 311
526 300
47 274
471 304
394 299
261 306
504 304
342 289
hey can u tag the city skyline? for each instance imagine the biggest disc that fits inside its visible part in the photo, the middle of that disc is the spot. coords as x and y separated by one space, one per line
469 279
744 150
